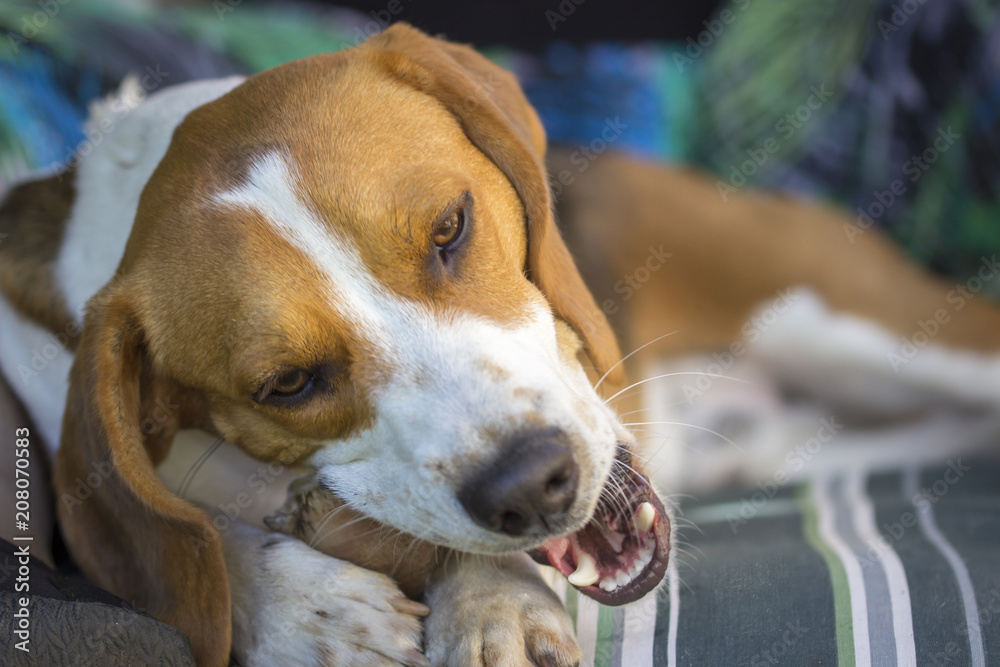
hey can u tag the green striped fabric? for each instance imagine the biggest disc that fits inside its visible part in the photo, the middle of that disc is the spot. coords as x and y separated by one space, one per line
899 568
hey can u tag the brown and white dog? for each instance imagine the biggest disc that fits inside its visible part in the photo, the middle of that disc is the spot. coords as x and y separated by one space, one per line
348 262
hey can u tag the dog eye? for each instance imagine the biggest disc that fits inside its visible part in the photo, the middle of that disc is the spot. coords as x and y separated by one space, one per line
290 382
448 229
287 385
451 228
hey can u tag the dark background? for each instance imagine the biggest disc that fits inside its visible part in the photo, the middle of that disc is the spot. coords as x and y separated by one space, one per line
523 24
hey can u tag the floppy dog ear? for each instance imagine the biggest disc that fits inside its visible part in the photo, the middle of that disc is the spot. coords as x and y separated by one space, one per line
497 118
127 531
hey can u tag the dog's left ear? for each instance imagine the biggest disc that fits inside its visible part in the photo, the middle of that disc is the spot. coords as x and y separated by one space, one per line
497 118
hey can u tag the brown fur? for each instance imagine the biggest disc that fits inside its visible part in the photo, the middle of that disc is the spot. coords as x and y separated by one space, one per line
322 520
196 272
132 536
32 223
730 257
449 120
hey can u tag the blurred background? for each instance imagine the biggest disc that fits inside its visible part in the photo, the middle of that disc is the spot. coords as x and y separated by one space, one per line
887 107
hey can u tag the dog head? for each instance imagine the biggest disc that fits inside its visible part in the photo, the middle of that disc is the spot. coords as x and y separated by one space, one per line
351 260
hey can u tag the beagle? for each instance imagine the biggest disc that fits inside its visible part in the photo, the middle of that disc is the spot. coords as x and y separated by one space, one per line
347 263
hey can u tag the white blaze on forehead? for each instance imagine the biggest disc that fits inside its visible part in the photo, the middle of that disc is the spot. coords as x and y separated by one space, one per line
443 388
406 332
270 191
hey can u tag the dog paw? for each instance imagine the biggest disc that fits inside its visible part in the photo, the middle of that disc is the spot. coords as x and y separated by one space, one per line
293 605
497 612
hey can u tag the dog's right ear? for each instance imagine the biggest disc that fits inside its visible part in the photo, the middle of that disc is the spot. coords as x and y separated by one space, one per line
125 529
496 116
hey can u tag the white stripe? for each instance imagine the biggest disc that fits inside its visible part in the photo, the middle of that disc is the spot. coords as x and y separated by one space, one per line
639 632
554 580
735 511
674 582
929 526
899 590
559 584
586 629
855 578
270 190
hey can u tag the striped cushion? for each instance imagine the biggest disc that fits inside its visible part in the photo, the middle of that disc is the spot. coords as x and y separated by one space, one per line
881 569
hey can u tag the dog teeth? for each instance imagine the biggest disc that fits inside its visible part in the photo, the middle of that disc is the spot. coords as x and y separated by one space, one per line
608 585
586 571
622 578
644 516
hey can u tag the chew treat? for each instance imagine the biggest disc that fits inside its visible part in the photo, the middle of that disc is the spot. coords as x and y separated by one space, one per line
322 520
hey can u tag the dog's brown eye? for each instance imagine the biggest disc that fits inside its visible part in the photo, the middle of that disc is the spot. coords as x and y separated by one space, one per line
449 228
290 383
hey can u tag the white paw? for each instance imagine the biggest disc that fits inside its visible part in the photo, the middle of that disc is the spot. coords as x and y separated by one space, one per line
293 605
497 612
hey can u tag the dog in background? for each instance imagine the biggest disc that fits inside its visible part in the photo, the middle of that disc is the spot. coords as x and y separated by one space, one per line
349 264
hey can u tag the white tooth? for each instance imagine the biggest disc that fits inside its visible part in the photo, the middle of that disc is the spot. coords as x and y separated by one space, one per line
646 555
586 571
637 568
608 584
622 578
644 517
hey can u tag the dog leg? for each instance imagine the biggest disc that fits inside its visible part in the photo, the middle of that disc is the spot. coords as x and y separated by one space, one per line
496 611
292 605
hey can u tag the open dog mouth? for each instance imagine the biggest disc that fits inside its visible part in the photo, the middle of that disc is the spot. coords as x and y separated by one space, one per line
622 552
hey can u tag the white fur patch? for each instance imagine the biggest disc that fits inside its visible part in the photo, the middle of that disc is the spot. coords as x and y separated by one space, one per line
126 143
858 406
36 366
430 415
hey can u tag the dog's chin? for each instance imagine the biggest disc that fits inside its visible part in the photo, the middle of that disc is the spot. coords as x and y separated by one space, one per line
622 552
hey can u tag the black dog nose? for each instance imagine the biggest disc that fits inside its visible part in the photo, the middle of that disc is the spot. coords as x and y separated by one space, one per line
531 483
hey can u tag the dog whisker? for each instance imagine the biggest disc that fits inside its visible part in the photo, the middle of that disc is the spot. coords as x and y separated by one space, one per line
695 426
196 466
397 562
325 520
623 359
319 536
667 375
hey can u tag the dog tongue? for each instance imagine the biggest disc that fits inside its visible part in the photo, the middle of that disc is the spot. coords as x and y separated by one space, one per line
615 559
